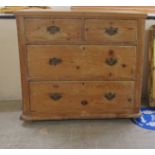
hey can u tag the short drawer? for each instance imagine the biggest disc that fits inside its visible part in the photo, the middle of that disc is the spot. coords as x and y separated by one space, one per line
45 30
62 98
107 30
75 62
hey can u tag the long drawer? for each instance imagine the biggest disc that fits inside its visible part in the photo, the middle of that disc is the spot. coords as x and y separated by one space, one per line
111 30
81 62
67 98
45 30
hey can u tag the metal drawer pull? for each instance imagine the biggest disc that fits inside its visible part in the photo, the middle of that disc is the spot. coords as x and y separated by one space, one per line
55 61
84 102
111 61
110 96
55 96
111 30
53 29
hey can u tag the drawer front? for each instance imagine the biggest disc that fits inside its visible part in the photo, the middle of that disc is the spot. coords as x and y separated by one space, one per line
66 98
46 29
111 30
74 62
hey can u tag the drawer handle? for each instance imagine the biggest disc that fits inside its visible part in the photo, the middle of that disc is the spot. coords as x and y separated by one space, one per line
111 61
111 30
53 29
110 96
55 61
55 96
84 102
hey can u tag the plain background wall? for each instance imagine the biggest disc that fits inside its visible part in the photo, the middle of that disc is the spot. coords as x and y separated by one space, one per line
10 85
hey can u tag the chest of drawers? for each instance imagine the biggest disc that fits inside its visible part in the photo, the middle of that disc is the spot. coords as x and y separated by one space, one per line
80 65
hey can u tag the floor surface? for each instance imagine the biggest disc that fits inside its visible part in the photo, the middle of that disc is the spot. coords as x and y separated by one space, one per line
76 134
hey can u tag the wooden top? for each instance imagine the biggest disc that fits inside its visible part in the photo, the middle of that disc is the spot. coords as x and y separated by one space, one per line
93 12
143 9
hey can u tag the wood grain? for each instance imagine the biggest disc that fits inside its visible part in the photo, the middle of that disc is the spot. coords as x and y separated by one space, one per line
151 65
82 62
37 29
75 93
75 87
111 14
23 64
140 62
96 30
123 9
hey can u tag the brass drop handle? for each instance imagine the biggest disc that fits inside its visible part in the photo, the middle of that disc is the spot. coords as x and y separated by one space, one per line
111 30
111 61
55 96
55 61
109 95
53 29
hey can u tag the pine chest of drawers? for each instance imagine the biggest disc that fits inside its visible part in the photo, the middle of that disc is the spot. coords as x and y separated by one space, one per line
80 65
